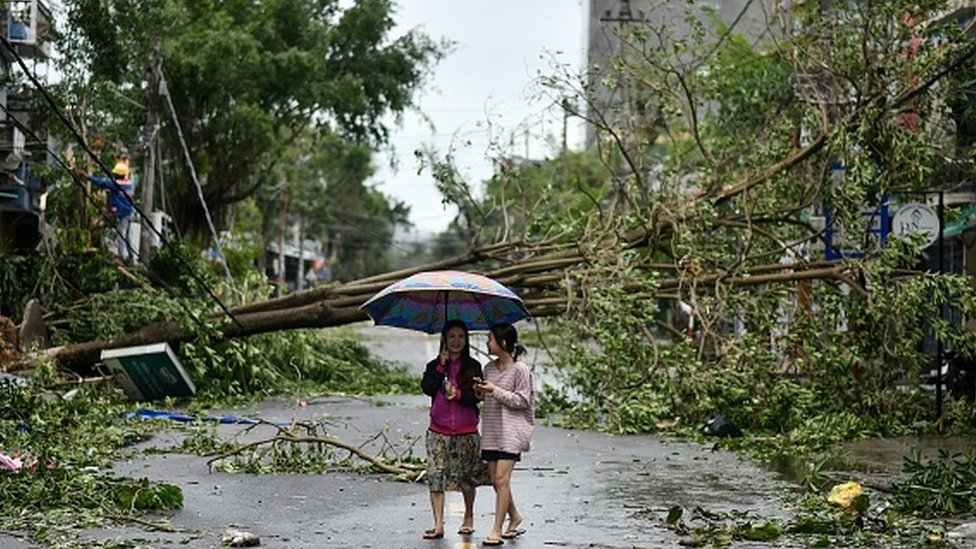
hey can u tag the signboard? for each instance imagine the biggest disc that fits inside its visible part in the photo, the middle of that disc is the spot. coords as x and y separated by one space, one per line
913 218
873 230
149 372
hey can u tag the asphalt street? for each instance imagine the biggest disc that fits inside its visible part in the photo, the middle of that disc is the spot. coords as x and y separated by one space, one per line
575 488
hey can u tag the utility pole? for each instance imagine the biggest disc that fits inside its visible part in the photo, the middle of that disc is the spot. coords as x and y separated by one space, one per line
151 134
566 107
282 227
300 281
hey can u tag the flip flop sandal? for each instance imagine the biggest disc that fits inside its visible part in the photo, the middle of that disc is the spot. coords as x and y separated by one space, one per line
465 530
493 542
512 534
433 534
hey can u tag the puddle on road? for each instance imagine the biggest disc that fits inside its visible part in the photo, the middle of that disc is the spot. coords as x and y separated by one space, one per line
728 484
720 481
888 454
878 459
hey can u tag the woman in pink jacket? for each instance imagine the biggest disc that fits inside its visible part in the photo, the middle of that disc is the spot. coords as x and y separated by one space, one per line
453 443
506 425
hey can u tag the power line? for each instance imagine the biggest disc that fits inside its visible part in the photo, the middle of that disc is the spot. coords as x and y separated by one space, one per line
364 230
91 199
196 182
147 222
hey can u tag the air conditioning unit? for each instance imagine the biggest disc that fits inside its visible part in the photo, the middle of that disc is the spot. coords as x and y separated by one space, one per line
28 26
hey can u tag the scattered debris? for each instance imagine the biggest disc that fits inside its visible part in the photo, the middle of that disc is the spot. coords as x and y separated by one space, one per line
12 380
849 496
146 413
10 463
720 426
239 538
310 438
149 372
33 330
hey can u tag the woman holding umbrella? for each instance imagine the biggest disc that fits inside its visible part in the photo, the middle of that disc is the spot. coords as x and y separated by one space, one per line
453 443
424 301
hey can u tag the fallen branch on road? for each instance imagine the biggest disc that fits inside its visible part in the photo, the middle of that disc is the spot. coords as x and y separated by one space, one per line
400 469
148 524
287 436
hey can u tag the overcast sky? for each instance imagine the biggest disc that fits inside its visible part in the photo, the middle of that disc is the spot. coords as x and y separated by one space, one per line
501 47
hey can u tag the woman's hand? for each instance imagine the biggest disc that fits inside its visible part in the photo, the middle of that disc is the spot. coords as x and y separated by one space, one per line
450 391
443 357
483 386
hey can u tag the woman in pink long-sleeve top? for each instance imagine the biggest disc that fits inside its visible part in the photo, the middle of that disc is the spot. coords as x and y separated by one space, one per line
506 423
453 447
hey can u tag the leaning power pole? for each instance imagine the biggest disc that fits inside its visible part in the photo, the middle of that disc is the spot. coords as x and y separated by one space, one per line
150 135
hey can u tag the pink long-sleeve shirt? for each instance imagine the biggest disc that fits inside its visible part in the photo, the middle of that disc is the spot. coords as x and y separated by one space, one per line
507 418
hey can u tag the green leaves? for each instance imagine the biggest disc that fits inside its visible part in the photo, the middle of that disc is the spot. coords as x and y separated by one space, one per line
674 514
942 486
142 495
246 79
721 529
767 531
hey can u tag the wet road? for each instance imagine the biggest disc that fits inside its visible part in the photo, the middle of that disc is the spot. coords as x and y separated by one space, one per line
575 489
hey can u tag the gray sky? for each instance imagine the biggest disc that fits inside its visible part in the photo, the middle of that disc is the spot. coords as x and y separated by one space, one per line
501 48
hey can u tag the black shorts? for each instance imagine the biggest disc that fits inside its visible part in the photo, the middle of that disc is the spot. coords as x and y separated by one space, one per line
495 455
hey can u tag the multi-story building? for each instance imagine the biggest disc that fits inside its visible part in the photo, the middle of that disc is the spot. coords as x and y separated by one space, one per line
26 26
607 23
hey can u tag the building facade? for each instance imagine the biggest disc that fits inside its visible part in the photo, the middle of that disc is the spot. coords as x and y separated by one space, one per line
24 141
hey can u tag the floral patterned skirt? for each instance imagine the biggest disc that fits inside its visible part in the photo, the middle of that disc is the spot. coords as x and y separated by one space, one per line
454 463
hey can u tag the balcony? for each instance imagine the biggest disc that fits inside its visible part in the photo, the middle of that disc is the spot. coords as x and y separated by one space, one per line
27 26
20 189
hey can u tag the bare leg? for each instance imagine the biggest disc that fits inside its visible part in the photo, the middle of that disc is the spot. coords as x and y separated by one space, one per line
437 506
501 477
514 518
468 521
436 448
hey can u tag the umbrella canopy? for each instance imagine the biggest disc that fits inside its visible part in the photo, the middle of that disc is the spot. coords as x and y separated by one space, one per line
425 300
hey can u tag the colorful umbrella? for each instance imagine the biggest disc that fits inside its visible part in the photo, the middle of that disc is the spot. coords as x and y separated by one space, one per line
423 302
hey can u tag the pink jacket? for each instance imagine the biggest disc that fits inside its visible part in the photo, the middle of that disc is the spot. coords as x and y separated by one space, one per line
450 417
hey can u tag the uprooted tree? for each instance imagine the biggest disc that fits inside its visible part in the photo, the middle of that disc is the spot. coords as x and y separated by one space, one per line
708 189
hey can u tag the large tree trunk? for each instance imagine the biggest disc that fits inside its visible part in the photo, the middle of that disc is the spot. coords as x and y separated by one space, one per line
81 356
338 305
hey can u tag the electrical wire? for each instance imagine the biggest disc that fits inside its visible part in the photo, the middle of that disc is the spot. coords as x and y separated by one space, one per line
91 199
81 141
196 182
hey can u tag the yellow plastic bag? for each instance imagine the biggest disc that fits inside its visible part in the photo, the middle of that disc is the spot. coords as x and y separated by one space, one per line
845 494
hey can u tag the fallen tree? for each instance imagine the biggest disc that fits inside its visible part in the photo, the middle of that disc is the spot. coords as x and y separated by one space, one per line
712 206
539 271
338 305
